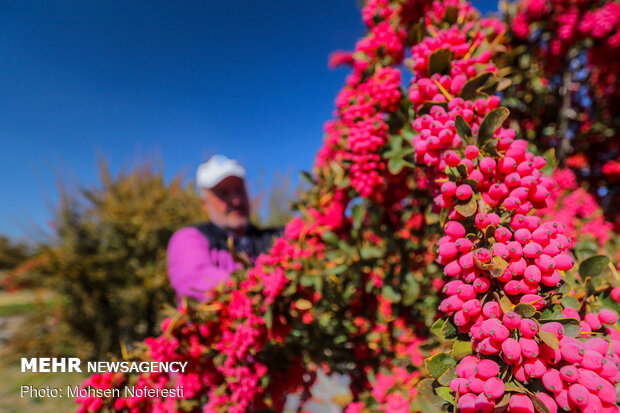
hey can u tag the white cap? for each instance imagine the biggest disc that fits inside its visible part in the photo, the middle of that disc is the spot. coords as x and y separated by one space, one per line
217 169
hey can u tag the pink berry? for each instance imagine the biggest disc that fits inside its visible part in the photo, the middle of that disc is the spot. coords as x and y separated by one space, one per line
507 165
471 152
548 401
535 367
597 344
569 374
550 278
522 235
472 307
532 274
578 395
511 320
513 287
550 355
552 381
608 316
466 368
467 403
502 234
452 287
487 368
491 309
590 380
563 401
534 299
448 189
555 328
528 327
458 385
607 392
514 249
529 347
494 388
475 384
447 250
483 255
592 360
520 403
454 229
466 292
487 165
481 284
488 347
484 404
463 245
563 262
452 269
532 250
512 351
593 321
463 192
572 349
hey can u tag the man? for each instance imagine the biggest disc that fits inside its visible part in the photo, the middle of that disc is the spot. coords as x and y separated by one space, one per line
198 256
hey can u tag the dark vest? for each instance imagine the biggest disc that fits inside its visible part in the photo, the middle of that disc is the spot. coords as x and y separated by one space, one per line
253 243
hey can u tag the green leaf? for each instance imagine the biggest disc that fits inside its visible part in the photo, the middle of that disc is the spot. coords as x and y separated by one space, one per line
330 238
502 404
571 302
395 165
268 317
590 288
586 248
491 122
524 310
445 393
389 293
451 15
593 266
439 364
412 290
463 129
468 209
303 304
437 327
549 339
357 213
368 253
514 387
429 401
307 176
427 106
461 349
448 329
447 377
538 404
470 88
505 304
338 269
498 266
439 61
462 170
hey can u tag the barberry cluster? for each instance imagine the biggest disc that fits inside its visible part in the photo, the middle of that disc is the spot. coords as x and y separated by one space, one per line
351 284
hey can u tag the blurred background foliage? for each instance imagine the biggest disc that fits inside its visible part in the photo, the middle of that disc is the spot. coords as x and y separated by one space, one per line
101 279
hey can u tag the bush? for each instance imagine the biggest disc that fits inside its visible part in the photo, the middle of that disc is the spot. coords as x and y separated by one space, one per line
107 263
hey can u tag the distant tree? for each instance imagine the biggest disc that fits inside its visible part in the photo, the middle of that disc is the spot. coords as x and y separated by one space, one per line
107 263
12 253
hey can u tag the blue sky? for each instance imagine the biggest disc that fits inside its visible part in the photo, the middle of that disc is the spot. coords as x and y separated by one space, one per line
179 81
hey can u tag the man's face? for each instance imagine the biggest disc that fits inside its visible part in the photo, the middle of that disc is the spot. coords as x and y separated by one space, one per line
227 204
